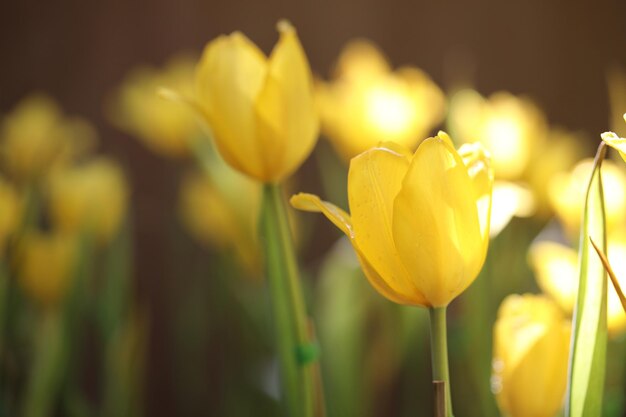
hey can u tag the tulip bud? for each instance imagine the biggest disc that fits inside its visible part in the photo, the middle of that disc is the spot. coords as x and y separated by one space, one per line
260 110
530 356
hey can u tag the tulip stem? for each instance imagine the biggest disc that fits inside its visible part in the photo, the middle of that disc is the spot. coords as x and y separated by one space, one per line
290 321
439 351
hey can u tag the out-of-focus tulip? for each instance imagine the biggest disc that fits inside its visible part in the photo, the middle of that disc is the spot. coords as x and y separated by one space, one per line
556 269
260 110
45 265
419 222
36 135
91 195
530 355
221 210
509 200
368 101
164 126
512 128
10 211
568 190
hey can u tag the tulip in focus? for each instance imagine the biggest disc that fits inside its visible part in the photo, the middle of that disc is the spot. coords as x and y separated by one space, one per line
530 356
260 110
568 190
164 126
92 195
368 101
45 265
36 136
419 222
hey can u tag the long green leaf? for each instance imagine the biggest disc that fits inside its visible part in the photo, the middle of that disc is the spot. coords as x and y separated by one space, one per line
589 333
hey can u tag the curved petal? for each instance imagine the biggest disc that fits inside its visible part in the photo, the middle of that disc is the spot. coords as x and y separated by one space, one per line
615 142
230 76
436 225
341 219
374 179
286 117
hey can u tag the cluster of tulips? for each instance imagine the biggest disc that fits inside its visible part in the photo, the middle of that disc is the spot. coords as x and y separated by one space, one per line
423 213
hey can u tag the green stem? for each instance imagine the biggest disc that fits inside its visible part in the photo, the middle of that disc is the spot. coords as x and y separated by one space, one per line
290 320
439 351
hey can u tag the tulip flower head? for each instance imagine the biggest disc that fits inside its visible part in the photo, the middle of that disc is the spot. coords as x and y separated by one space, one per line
260 110
568 190
45 265
419 222
556 269
36 136
530 355
92 195
164 126
367 101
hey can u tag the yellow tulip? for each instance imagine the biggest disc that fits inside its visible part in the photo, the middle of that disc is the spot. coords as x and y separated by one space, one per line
419 222
367 101
509 200
92 195
221 210
164 126
512 128
10 212
530 355
568 190
616 142
45 265
260 110
36 135
556 269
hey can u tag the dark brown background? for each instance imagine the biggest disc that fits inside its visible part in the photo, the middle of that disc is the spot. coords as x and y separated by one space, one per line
555 51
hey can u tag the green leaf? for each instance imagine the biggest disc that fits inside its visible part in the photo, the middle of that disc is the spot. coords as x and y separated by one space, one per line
589 332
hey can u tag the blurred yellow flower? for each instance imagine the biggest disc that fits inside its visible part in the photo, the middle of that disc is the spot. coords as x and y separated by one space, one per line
419 222
367 101
90 195
556 269
568 189
261 110
36 135
509 200
45 265
530 356
10 212
220 209
164 126
512 128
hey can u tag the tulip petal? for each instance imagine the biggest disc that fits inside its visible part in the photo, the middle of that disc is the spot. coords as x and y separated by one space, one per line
229 78
436 225
615 142
374 179
285 108
341 219
477 160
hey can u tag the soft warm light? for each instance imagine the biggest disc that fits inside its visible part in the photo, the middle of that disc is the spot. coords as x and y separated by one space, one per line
503 138
390 111
509 200
617 259
568 189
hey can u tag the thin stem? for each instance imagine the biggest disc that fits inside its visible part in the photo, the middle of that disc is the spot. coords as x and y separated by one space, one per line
290 321
439 351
